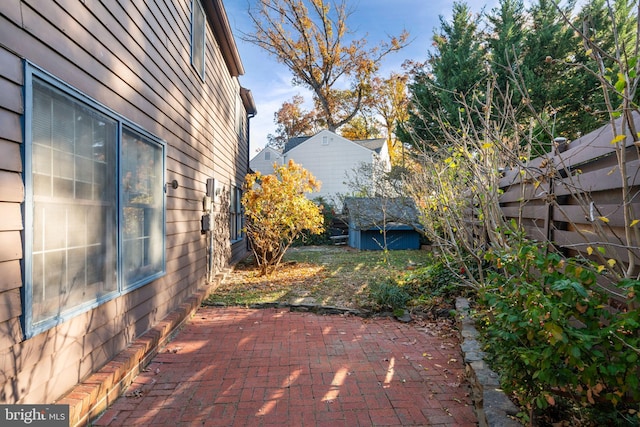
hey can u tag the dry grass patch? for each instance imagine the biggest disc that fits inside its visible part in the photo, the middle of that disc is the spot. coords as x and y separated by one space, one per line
326 275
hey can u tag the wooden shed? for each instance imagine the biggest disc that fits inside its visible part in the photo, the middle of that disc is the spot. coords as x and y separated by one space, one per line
377 223
123 149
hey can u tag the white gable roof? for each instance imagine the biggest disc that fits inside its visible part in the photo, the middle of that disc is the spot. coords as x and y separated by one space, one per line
328 139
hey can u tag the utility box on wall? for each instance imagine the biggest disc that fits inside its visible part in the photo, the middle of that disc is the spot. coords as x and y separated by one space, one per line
207 206
205 223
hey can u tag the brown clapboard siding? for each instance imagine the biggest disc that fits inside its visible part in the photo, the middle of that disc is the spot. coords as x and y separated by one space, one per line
11 9
185 248
176 241
10 157
10 124
32 380
11 216
10 306
101 343
10 275
10 332
53 372
190 89
133 56
11 187
11 98
178 207
52 341
138 92
183 227
11 67
10 246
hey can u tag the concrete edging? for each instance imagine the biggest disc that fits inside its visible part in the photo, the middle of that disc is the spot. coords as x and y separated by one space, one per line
493 407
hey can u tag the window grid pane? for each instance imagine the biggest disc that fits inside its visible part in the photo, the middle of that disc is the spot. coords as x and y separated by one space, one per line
142 201
198 38
70 219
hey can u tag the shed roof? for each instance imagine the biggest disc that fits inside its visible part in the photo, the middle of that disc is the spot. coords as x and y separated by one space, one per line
372 212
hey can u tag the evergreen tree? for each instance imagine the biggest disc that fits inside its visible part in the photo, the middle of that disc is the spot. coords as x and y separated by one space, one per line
595 22
421 128
506 41
451 73
550 82
458 64
538 60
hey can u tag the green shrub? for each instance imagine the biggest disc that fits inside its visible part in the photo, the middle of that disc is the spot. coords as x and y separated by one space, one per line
310 239
389 295
551 332
434 280
429 285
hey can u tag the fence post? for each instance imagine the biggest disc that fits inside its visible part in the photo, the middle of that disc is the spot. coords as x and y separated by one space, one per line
548 232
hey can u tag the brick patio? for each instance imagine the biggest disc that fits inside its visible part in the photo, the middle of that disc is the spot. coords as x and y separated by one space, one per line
273 367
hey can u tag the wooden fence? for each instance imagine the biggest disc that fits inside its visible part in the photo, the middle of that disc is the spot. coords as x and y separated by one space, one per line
574 198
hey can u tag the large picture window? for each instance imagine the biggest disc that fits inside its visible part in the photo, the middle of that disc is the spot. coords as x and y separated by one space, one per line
90 235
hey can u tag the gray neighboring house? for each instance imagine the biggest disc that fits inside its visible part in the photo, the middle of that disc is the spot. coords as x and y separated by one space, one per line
370 217
263 161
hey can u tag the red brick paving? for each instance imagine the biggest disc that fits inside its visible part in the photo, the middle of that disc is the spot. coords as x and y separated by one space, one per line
273 367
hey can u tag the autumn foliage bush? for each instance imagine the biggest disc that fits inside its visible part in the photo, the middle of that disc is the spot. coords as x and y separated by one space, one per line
277 212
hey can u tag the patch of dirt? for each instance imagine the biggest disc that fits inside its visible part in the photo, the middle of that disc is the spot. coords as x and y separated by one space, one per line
291 280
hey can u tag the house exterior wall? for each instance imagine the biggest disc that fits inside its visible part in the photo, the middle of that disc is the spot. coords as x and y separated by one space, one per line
132 58
329 157
384 161
264 160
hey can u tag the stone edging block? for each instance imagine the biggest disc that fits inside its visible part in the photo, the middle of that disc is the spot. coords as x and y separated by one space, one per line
493 407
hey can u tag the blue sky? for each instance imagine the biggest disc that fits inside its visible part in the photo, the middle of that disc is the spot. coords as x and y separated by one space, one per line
270 82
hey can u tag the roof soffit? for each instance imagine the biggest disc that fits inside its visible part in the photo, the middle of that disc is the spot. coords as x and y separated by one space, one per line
222 30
